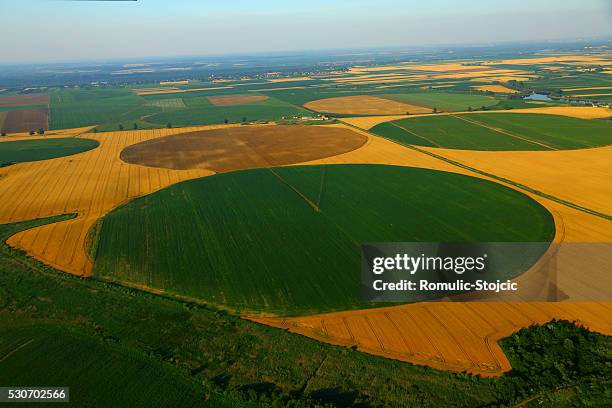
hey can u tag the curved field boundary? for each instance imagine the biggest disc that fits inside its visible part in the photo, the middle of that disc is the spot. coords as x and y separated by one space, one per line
246 147
447 336
39 149
399 335
579 112
89 184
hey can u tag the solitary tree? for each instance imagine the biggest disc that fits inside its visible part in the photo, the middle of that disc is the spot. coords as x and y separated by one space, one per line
41 131
226 121
120 127
435 110
135 126
470 108
244 119
95 130
169 125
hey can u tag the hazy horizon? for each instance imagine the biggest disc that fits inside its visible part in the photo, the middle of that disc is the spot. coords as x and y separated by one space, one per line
59 30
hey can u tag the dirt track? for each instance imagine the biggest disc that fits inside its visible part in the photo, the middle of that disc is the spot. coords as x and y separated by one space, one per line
244 147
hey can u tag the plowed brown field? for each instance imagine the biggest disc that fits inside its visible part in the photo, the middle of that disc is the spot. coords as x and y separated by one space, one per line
244 147
25 120
364 105
495 88
24 99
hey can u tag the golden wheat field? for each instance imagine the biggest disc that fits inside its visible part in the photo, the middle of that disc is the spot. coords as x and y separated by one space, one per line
447 336
495 88
363 105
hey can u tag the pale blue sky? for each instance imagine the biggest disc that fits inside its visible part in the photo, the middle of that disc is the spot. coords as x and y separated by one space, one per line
54 30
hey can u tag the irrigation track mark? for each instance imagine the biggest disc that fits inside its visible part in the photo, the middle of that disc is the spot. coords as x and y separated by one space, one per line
298 192
322 186
415 134
503 131
494 177
16 350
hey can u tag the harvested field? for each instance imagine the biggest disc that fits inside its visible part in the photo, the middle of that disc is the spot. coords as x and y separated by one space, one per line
24 100
26 120
501 78
276 80
48 135
364 105
587 184
495 88
448 336
581 112
244 147
547 60
449 67
232 100
368 122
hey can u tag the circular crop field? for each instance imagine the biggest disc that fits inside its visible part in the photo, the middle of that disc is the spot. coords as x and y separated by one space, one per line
499 131
287 240
42 149
244 147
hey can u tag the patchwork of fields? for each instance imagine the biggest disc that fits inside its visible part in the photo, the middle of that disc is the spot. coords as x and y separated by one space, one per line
24 113
285 240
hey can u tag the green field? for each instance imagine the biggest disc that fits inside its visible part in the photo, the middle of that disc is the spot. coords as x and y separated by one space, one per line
499 131
445 101
288 240
199 111
111 109
43 149
107 107
98 372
